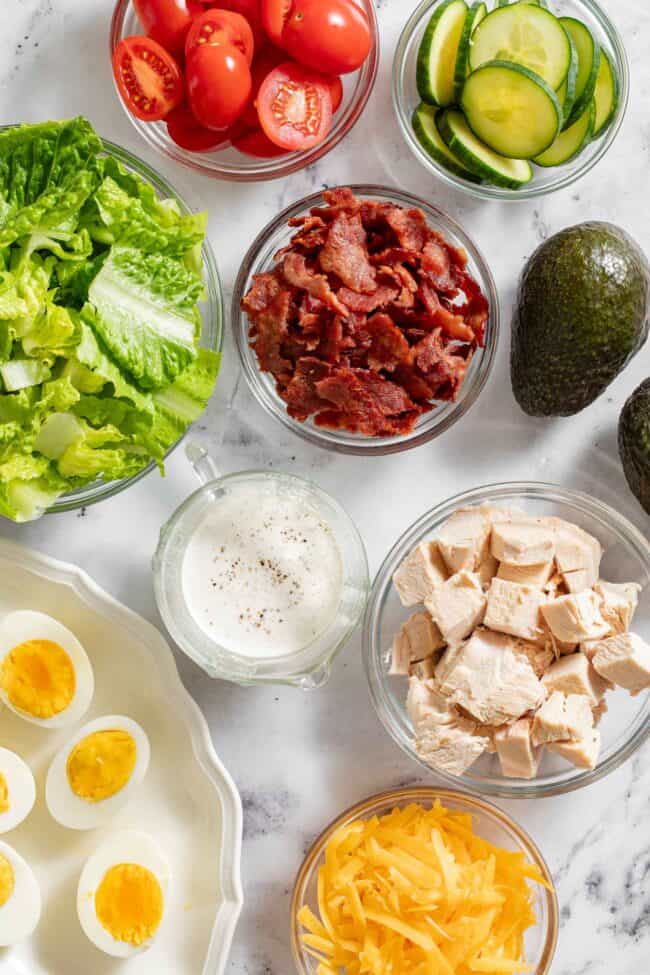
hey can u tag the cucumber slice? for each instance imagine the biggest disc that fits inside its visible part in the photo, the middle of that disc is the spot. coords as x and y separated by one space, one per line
509 173
571 141
524 34
426 129
437 54
503 3
588 51
567 92
511 109
475 15
605 94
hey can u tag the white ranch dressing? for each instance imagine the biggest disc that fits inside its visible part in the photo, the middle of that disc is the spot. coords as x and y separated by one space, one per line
262 573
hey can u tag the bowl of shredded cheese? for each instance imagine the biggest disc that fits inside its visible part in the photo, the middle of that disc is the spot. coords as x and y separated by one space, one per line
424 881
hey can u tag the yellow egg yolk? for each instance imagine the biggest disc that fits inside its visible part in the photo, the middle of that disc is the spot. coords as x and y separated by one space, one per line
38 678
6 880
4 795
129 903
101 764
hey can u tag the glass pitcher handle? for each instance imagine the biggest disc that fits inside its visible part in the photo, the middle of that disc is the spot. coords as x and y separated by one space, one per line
204 466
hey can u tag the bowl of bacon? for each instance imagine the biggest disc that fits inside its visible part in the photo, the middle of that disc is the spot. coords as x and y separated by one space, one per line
366 320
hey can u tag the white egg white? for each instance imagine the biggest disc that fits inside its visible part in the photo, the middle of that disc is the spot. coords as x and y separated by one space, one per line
23 625
21 913
128 846
20 787
76 813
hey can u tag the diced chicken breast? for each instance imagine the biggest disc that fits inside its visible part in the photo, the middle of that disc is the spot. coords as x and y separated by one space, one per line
489 680
463 540
530 575
574 674
618 603
444 739
624 659
423 669
418 639
540 656
524 542
600 711
575 617
563 717
487 569
514 608
583 753
557 647
457 606
419 574
575 550
518 757
496 513
578 580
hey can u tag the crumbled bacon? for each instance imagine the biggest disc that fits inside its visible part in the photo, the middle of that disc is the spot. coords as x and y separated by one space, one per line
367 318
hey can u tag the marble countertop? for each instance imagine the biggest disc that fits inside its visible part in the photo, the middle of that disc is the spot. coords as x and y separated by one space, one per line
299 759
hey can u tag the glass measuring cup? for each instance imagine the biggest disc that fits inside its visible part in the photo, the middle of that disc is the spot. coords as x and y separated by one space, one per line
307 668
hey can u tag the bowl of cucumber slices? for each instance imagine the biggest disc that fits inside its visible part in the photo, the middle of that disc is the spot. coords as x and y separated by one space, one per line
510 99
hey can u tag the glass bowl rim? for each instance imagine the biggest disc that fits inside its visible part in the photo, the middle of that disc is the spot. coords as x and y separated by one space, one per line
265 169
368 446
529 191
308 677
424 794
92 494
509 490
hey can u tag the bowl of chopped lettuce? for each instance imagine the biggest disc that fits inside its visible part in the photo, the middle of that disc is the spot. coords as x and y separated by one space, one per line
111 318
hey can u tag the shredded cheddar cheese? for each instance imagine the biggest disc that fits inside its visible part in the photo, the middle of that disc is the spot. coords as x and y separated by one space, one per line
417 892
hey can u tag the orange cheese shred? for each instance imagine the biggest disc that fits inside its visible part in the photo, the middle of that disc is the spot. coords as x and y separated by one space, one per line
418 892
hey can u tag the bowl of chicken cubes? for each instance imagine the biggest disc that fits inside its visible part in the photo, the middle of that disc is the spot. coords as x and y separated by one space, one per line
507 640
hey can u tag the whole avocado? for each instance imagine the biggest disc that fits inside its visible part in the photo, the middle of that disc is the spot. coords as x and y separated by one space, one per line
581 313
634 442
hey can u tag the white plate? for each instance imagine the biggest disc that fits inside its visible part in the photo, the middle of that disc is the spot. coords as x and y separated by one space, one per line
187 801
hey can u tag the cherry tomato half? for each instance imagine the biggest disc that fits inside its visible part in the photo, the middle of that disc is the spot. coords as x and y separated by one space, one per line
189 134
218 84
274 17
255 143
167 21
295 107
251 10
148 78
221 27
263 65
332 36
336 93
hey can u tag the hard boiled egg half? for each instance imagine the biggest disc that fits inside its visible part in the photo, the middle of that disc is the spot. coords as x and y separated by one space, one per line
17 790
20 897
122 894
45 674
97 771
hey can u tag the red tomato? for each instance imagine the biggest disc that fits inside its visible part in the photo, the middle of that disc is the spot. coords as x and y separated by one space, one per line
218 84
332 36
250 9
255 143
148 78
221 27
274 16
336 93
191 135
167 21
295 107
263 65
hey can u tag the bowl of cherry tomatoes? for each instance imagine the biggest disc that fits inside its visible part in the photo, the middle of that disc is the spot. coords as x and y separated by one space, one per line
244 89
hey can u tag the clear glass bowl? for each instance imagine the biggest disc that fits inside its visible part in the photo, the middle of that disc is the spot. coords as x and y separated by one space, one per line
262 385
624 727
406 100
310 667
488 821
228 164
211 309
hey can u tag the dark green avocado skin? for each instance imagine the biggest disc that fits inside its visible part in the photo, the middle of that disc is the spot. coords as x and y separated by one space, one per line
582 311
634 443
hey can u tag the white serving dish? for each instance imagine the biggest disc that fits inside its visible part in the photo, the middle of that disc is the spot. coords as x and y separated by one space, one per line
187 801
